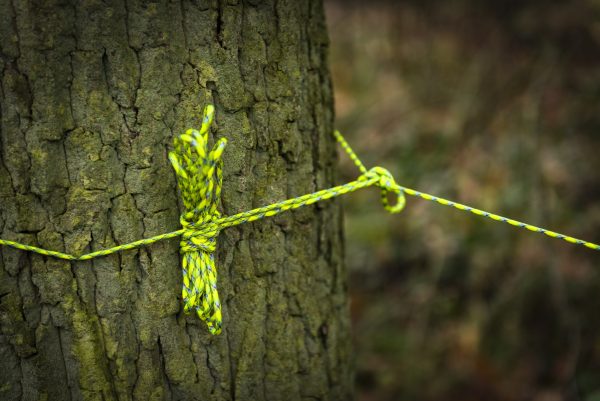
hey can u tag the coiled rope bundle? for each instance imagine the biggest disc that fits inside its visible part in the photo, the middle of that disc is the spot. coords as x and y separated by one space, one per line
199 175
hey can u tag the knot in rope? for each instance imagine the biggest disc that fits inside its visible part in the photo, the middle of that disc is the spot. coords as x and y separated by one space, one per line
199 175
386 182
199 234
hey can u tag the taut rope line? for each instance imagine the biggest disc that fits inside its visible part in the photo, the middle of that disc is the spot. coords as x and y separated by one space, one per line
200 178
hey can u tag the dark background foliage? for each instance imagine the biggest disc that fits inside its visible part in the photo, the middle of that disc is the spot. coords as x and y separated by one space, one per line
494 104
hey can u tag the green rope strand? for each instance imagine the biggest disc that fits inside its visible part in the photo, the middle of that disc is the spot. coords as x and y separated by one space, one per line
391 186
199 176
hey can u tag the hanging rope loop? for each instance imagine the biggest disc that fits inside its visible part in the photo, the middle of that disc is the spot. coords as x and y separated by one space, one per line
386 182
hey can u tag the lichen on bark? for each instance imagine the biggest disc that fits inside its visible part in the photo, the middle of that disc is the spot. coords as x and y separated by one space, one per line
91 95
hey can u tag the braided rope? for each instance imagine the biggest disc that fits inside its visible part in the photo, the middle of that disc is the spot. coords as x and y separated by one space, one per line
199 176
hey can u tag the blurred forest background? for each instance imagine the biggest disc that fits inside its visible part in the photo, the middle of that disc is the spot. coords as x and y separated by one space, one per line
495 104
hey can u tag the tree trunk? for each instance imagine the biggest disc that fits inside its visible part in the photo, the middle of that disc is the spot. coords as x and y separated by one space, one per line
92 94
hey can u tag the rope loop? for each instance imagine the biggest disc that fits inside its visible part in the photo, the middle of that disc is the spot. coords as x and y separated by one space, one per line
386 182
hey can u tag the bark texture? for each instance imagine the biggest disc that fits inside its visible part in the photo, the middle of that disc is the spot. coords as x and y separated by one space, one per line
91 95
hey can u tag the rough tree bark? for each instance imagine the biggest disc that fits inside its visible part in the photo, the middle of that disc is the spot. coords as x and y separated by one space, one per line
91 96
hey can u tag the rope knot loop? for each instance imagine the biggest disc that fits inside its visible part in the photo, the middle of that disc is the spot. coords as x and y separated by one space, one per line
200 234
200 177
386 182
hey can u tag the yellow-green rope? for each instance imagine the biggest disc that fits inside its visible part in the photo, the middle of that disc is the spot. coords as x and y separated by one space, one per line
199 175
399 189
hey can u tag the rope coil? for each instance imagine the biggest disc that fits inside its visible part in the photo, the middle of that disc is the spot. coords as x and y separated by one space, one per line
200 177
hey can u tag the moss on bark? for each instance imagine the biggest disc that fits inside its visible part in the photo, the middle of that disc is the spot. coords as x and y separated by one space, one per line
91 96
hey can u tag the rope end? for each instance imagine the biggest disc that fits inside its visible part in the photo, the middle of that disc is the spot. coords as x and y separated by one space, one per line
207 118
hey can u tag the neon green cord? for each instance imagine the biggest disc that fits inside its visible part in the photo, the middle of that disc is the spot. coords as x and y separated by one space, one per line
200 178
